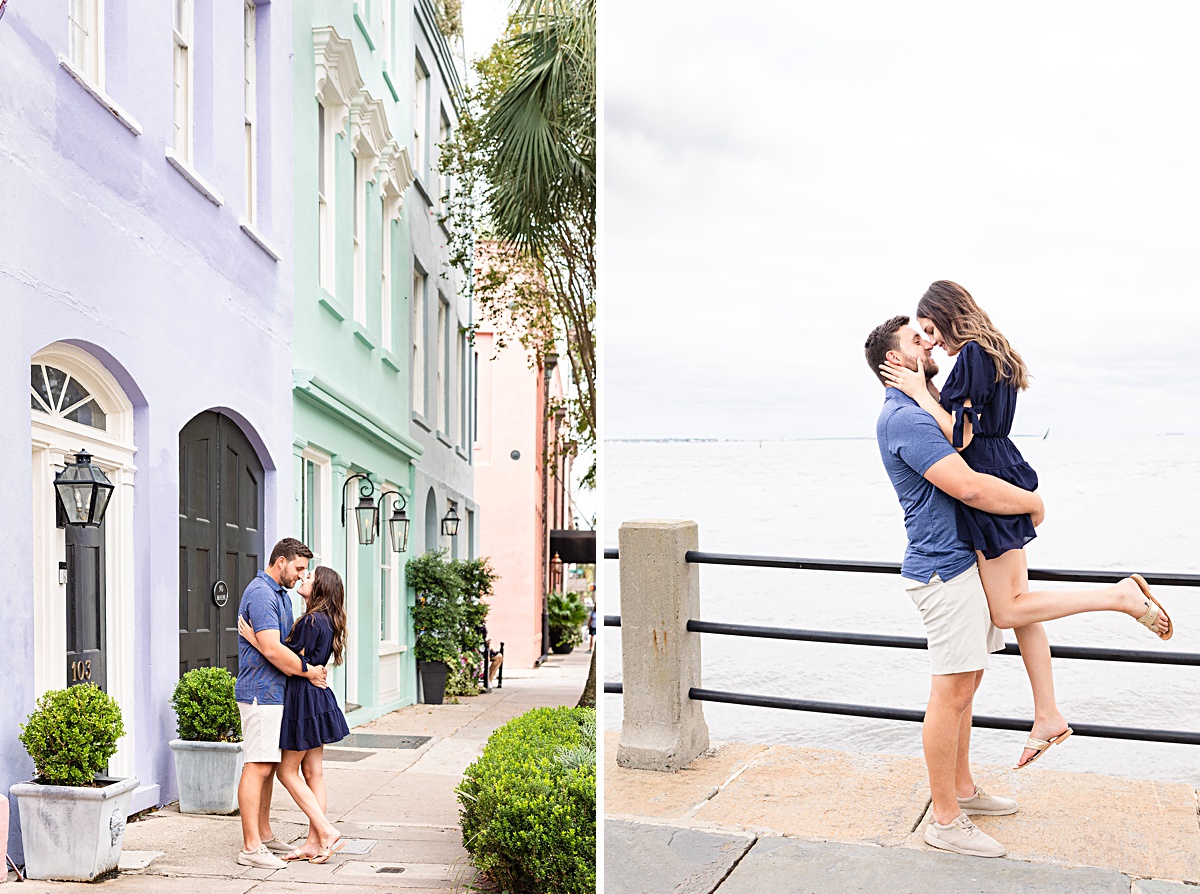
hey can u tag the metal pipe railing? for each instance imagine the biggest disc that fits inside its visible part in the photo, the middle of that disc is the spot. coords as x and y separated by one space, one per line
1140 656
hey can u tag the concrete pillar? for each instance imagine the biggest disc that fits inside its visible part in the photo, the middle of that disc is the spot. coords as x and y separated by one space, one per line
662 728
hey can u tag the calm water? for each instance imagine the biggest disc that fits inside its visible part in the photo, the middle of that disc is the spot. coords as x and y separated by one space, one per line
1110 504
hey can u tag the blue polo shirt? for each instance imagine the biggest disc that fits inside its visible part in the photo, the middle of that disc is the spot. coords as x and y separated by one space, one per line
265 604
910 442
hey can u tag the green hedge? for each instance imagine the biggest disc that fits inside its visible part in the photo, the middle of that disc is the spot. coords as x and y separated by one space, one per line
529 803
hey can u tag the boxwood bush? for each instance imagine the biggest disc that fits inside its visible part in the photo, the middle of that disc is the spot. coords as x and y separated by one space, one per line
71 734
529 805
205 706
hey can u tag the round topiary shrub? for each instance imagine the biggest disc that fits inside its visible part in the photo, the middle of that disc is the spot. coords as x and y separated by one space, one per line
529 803
71 734
205 706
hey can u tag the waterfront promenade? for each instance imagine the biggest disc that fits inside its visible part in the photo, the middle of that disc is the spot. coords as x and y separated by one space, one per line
753 819
396 807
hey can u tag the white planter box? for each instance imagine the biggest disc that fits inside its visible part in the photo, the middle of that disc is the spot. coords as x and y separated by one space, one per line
73 834
208 774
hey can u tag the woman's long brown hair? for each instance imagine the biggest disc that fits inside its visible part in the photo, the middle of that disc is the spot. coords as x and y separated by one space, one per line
960 320
329 596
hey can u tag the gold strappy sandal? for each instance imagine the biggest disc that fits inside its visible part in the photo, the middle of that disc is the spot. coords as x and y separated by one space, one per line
1040 746
1153 610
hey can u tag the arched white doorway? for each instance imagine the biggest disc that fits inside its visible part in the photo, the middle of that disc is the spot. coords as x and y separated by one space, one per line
76 404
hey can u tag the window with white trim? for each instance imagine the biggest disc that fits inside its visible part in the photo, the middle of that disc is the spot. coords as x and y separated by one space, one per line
442 180
418 343
250 101
85 21
443 391
463 382
358 239
55 393
389 576
385 26
182 33
325 198
385 291
420 89
315 477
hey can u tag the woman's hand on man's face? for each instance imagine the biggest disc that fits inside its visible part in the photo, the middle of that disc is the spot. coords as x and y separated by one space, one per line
911 382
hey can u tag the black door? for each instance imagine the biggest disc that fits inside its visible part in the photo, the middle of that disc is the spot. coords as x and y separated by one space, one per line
220 537
85 606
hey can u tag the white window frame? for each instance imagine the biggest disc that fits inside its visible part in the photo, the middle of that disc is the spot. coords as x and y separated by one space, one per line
420 115
250 63
386 14
419 327
385 275
85 39
443 391
326 194
183 72
389 578
436 176
358 239
464 359
320 497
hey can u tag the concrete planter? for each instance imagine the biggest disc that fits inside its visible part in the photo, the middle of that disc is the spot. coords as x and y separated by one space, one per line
208 774
73 834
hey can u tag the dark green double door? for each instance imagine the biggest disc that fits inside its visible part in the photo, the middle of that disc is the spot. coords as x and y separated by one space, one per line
220 537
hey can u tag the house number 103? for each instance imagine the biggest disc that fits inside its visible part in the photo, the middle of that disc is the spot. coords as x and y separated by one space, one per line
81 670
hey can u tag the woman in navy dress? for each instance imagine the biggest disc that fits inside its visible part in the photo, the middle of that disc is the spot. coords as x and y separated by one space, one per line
311 716
975 411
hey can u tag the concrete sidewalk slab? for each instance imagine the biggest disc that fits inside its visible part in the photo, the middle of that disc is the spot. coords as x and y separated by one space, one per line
644 859
831 795
666 796
788 866
1137 826
1154 886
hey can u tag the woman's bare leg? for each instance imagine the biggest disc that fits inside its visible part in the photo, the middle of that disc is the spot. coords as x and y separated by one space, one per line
313 766
1006 581
321 832
1035 652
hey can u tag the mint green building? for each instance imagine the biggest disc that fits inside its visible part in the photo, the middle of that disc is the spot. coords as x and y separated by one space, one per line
353 330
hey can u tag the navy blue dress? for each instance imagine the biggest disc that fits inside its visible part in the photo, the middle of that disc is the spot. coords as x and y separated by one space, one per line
993 405
311 716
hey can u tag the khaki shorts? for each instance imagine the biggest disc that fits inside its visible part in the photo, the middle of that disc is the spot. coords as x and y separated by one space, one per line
958 624
261 725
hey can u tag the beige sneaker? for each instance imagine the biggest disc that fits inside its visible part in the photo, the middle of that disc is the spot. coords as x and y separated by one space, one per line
261 858
981 803
963 837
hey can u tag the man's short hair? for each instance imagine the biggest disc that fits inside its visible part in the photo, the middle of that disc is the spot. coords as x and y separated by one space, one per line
288 548
881 340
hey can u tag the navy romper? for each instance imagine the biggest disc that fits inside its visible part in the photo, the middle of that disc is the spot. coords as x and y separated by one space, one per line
311 716
990 451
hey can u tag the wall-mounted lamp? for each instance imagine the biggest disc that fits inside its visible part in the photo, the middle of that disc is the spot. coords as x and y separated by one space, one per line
398 522
84 491
366 512
450 523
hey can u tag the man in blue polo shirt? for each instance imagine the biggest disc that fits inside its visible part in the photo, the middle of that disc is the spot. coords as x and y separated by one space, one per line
941 576
261 679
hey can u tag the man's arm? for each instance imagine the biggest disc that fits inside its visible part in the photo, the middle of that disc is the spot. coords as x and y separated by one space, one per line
953 476
285 659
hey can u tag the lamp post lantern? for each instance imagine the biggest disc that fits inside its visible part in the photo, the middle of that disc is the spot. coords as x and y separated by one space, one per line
84 491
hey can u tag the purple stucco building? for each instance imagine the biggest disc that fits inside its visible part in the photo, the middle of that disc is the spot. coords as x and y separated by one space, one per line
146 298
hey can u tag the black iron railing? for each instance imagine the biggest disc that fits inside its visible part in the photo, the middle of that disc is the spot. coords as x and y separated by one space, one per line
1139 656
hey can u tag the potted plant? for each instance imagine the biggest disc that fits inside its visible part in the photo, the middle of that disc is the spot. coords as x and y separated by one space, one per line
72 820
437 620
208 752
567 617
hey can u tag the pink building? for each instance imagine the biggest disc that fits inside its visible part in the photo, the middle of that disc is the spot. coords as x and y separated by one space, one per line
521 497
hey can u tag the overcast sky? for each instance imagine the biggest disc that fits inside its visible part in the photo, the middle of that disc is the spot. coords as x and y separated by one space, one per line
779 178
